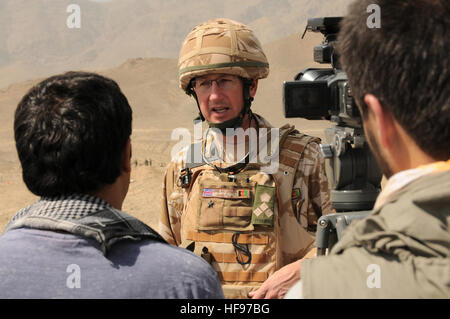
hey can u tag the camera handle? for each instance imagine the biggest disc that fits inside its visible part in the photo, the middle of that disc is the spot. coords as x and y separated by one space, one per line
331 227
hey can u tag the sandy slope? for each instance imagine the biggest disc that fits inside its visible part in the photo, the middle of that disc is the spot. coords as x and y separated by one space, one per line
159 106
35 40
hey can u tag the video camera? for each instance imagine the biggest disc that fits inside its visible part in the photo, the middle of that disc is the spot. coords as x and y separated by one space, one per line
324 93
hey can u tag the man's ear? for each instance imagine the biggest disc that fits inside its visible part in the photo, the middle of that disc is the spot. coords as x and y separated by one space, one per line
126 157
382 121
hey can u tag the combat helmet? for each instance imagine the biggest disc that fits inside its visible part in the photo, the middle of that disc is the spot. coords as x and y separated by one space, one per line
222 46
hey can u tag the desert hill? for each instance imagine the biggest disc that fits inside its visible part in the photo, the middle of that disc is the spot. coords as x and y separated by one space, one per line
35 40
159 106
30 50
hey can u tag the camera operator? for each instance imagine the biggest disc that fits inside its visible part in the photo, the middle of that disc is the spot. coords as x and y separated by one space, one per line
399 75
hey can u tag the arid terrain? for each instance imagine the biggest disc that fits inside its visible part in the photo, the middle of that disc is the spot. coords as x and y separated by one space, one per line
150 85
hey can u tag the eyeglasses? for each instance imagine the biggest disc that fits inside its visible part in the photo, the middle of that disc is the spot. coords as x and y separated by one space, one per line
225 83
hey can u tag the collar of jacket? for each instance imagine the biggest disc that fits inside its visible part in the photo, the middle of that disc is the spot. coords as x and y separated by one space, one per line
83 215
402 179
413 222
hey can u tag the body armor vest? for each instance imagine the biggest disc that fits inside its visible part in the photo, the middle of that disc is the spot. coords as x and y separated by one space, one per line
245 224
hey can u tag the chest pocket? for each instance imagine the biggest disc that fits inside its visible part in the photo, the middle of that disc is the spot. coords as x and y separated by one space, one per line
225 205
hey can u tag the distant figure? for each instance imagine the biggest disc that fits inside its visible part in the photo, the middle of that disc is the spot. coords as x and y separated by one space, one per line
248 220
72 135
400 79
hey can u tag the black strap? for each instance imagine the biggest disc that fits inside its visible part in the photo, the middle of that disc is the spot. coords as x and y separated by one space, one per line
241 248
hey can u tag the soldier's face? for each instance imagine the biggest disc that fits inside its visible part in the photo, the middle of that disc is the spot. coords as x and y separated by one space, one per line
220 96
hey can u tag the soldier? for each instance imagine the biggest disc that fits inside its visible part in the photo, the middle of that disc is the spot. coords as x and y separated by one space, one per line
246 218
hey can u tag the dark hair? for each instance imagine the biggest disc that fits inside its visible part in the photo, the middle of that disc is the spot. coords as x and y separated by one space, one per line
70 132
405 64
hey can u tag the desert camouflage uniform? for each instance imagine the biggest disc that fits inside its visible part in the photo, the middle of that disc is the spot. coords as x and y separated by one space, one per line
190 216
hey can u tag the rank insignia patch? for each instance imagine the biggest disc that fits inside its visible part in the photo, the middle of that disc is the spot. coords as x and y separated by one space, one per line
263 206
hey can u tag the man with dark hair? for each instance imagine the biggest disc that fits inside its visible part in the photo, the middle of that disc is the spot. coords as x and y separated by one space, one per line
400 79
72 135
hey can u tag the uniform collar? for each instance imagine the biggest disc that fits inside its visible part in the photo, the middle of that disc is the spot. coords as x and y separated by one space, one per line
403 178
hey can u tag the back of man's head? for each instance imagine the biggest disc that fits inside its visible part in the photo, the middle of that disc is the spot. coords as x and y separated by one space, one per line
70 131
405 63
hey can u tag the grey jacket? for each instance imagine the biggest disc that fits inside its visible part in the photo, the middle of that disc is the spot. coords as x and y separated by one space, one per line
81 247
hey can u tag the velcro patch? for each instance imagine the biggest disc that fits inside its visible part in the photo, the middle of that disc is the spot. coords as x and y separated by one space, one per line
263 206
227 193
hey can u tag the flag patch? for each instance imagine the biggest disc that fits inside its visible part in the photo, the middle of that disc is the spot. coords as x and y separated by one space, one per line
207 192
243 193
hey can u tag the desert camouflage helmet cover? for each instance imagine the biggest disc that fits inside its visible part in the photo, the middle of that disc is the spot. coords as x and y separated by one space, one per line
221 46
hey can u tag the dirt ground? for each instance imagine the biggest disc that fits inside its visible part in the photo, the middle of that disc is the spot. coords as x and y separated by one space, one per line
144 195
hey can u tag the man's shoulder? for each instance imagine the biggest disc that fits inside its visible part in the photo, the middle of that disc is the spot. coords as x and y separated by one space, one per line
182 266
427 195
292 135
300 143
175 255
133 267
262 122
299 137
431 186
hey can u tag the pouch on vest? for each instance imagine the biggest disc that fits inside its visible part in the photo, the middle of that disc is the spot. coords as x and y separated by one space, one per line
225 205
263 206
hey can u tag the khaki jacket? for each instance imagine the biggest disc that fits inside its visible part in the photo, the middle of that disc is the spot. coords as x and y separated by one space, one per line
402 250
